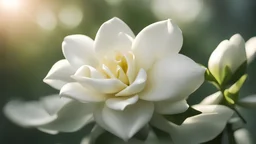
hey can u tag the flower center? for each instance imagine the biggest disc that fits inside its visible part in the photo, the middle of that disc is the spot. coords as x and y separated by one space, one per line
120 65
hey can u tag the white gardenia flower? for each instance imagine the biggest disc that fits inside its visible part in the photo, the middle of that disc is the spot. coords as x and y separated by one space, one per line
122 78
231 53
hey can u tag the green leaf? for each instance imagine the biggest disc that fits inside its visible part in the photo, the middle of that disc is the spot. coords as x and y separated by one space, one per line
178 119
248 102
235 88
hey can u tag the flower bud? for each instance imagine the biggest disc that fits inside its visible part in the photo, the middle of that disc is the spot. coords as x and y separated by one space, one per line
229 55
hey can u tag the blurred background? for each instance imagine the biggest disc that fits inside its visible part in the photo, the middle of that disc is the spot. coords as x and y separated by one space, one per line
31 33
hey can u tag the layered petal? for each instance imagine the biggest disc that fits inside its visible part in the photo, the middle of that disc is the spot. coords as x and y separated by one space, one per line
78 92
174 78
126 123
54 103
59 74
250 48
120 103
157 41
78 50
113 35
229 53
137 86
167 107
197 129
105 86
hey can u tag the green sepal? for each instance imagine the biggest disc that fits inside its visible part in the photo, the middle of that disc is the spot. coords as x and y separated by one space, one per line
241 70
178 119
229 97
210 78
226 77
230 78
235 88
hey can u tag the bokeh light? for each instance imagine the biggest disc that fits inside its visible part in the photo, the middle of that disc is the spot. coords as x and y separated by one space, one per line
46 19
10 4
70 16
181 10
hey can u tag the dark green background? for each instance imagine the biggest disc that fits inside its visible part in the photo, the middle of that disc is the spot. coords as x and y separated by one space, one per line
27 52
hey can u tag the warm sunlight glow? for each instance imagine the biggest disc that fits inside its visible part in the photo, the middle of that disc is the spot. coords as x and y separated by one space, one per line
10 4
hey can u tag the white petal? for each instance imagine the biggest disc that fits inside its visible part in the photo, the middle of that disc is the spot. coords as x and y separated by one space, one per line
156 41
121 103
131 66
197 129
125 124
78 50
27 114
114 34
71 118
137 86
88 71
166 107
59 74
80 93
54 103
107 86
121 75
228 53
173 78
108 71
250 48
212 99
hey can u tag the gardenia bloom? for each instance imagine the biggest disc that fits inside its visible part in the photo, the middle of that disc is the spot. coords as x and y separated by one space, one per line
232 54
117 79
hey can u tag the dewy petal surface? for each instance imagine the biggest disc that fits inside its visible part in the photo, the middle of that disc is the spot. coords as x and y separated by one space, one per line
78 92
156 41
174 78
59 74
197 129
109 36
125 124
166 107
78 50
250 48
